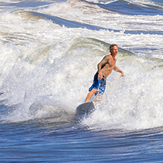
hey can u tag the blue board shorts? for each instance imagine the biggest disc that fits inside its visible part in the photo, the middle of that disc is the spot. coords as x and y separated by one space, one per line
98 84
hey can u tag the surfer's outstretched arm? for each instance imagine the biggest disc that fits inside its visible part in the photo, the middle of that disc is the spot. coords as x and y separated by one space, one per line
118 70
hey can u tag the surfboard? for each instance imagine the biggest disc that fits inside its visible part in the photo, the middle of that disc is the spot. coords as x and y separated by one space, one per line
85 109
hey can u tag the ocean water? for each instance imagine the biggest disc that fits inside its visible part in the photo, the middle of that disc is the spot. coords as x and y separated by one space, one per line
49 54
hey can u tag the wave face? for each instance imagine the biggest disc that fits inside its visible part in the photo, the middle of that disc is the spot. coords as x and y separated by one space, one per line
49 54
50 57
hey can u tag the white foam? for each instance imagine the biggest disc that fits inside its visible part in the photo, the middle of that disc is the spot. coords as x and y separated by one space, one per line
41 60
94 15
134 102
10 1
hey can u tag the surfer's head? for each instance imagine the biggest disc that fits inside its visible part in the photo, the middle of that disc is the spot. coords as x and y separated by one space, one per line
114 49
111 46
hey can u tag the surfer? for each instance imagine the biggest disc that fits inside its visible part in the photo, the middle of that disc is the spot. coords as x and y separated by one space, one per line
105 67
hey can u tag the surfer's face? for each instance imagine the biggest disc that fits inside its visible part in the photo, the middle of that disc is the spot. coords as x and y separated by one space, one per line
114 50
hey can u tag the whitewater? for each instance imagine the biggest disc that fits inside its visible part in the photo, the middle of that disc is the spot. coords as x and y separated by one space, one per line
49 54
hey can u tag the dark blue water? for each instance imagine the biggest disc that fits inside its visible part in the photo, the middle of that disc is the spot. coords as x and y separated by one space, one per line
34 141
60 137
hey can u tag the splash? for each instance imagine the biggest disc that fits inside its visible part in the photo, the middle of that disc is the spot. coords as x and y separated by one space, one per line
46 69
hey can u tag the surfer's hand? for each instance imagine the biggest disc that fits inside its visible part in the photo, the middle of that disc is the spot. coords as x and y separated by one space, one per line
122 74
100 75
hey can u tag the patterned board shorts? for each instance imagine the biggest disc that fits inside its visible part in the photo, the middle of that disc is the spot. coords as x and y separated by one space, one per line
98 84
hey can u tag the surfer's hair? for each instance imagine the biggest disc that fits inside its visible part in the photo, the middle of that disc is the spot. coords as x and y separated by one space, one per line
111 46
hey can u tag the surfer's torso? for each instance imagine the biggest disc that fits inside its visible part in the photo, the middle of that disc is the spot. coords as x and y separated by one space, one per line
107 65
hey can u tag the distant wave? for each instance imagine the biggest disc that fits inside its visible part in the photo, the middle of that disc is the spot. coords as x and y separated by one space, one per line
67 23
131 7
73 24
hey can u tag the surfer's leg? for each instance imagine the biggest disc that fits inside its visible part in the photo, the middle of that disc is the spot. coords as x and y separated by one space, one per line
90 94
101 91
98 99
93 89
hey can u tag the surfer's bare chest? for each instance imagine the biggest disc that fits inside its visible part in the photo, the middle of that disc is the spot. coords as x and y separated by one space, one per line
109 63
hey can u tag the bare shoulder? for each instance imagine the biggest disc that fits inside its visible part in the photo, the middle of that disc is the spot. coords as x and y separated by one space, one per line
107 57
